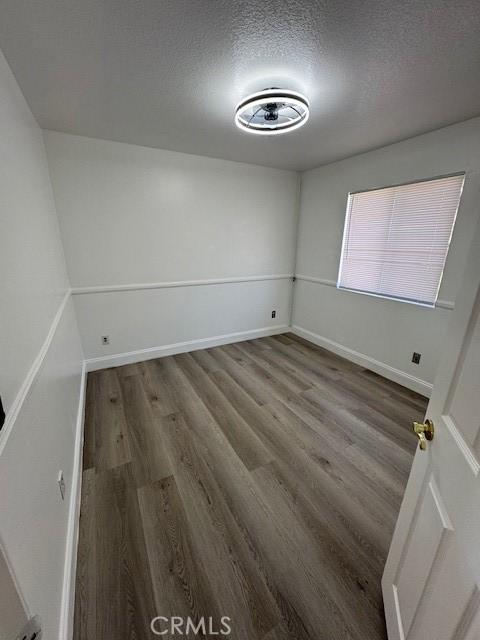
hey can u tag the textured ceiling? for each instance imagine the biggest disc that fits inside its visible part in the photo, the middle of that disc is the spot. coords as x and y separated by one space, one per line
168 73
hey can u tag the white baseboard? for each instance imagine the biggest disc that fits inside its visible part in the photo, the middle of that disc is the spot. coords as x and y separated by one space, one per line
130 357
68 589
411 382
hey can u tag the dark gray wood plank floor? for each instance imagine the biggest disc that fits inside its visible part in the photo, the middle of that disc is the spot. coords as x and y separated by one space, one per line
259 481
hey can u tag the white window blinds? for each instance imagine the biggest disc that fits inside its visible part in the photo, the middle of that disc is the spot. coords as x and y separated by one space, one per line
396 239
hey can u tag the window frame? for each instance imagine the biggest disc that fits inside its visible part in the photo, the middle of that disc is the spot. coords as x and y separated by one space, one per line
383 296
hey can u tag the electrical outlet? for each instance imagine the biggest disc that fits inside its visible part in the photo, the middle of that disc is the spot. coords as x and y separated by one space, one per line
61 484
416 357
105 339
32 630
274 313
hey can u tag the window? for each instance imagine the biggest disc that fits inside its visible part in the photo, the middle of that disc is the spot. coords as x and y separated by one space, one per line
396 239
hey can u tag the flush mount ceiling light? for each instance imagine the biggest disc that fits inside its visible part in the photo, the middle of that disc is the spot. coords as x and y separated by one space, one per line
272 111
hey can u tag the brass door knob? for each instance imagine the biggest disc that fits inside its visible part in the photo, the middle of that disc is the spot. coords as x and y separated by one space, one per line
425 431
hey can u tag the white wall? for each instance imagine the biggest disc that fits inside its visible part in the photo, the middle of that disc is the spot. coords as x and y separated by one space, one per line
33 277
387 331
12 613
40 395
132 215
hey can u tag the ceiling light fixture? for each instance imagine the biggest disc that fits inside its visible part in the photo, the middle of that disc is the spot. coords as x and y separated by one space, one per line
272 111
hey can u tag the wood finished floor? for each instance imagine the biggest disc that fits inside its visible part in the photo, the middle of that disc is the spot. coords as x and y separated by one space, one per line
259 481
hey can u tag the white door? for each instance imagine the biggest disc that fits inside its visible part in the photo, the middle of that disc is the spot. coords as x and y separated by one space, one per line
431 583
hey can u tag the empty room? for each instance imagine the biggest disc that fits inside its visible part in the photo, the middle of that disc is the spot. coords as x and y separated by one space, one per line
240 320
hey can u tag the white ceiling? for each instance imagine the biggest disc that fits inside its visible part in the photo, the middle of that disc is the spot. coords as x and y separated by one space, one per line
168 73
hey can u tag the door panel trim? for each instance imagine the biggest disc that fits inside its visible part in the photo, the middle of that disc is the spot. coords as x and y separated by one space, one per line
463 445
